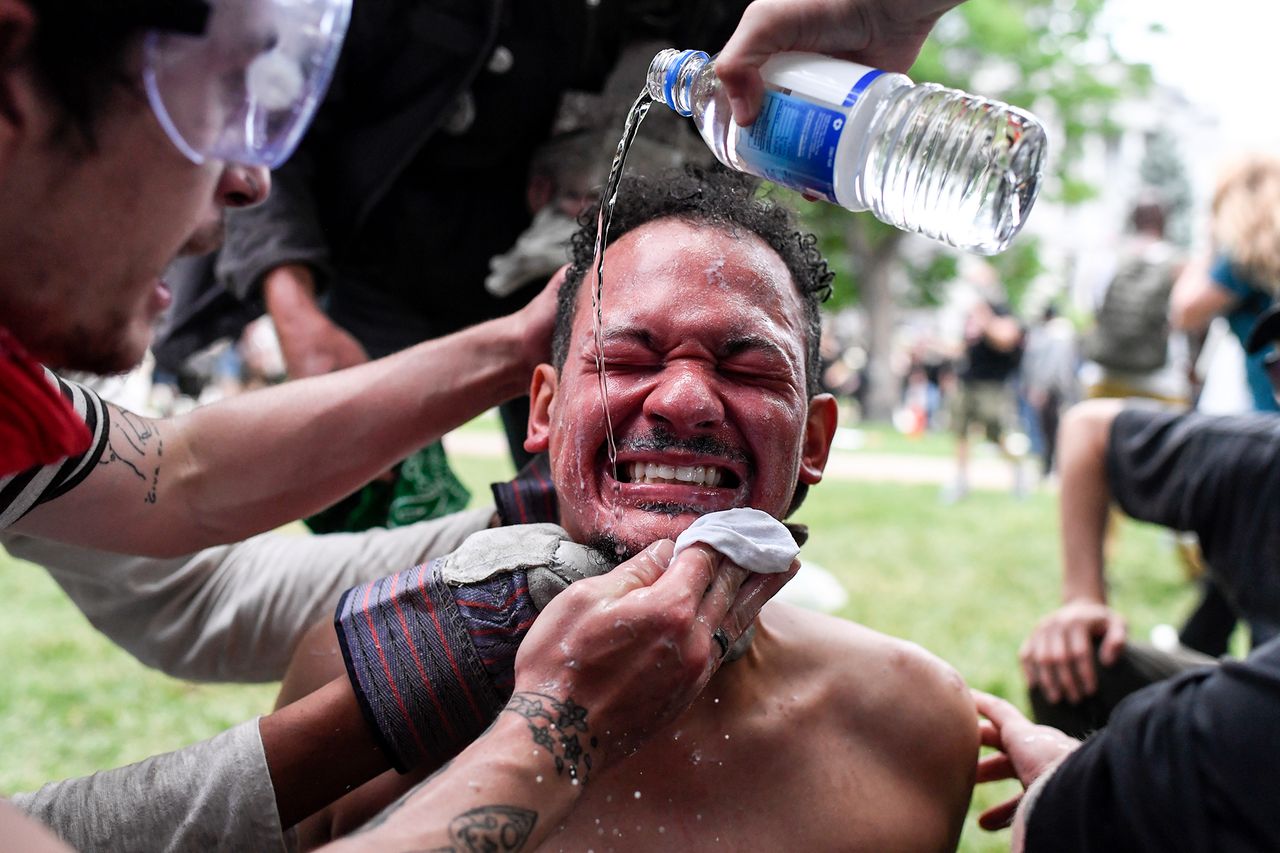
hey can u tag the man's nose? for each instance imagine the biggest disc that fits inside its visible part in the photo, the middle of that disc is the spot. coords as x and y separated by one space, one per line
243 186
686 399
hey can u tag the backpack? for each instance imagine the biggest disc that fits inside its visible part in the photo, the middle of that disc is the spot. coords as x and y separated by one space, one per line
1132 324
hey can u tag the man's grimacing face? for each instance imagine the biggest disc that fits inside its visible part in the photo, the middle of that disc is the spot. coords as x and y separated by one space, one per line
704 344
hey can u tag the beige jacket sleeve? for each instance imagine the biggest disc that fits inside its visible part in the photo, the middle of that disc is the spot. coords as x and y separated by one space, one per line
233 612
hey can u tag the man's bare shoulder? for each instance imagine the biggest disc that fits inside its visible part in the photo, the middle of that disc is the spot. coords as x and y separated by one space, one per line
868 671
906 702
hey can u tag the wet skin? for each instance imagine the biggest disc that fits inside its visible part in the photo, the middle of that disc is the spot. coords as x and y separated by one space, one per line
703 343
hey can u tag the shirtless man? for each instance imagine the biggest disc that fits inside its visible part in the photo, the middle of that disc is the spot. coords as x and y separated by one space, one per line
824 735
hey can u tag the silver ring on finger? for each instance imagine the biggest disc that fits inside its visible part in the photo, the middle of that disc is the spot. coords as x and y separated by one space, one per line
722 639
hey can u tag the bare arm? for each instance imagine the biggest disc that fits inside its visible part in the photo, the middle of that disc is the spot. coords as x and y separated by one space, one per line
880 33
20 833
312 343
1004 333
250 463
1058 656
1196 300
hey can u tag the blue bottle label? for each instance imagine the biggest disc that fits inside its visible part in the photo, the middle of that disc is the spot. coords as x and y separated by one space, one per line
793 143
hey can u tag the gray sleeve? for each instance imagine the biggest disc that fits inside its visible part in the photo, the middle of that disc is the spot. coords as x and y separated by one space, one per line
284 229
234 612
213 795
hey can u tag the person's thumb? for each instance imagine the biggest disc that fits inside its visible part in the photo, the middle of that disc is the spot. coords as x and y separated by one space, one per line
644 568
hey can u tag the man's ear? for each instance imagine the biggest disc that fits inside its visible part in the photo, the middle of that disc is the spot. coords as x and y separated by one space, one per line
819 430
542 395
17 26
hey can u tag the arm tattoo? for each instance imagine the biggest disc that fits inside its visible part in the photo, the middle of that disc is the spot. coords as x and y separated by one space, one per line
488 829
130 443
558 727
555 726
491 829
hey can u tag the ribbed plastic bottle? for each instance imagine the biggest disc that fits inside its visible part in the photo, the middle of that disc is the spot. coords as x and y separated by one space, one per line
955 167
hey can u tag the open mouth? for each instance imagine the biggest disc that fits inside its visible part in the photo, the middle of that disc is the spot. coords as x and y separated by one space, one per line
650 473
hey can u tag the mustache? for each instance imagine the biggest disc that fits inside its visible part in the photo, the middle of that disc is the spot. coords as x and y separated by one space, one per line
660 438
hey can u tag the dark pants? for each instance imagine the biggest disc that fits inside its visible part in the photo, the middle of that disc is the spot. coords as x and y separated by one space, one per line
1138 666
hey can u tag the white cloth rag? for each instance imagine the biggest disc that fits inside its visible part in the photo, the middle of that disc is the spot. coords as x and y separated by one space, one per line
754 540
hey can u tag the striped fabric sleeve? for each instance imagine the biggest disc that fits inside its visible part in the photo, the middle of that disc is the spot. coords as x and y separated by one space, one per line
432 664
21 492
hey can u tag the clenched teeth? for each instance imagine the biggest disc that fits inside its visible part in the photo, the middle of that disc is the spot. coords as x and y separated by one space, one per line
691 475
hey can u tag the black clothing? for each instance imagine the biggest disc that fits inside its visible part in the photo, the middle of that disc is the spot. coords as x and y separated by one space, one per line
986 363
1188 764
415 172
1218 477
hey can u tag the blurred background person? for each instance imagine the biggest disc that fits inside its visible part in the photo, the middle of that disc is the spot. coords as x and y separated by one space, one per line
1049 364
1240 278
1130 350
993 342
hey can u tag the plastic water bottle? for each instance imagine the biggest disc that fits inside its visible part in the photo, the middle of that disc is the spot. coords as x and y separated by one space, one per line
955 167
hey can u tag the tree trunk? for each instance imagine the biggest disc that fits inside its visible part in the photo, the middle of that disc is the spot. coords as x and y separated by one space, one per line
875 266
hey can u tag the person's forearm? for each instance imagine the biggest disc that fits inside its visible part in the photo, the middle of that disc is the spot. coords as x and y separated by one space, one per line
288 291
317 749
289 450
502 786
1085 500
250 463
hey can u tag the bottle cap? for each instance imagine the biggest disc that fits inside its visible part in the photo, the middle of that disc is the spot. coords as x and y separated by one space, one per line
673 73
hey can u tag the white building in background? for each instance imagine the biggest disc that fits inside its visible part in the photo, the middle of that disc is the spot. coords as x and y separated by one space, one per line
1079 242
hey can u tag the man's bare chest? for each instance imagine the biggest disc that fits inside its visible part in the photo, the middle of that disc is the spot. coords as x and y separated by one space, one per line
767 779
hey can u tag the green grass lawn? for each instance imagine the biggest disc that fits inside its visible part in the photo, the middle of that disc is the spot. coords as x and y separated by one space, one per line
966 581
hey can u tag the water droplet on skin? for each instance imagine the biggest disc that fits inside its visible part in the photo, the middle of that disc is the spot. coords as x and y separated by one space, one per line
716 700
695 757
538 778
726 737
573 782
637 795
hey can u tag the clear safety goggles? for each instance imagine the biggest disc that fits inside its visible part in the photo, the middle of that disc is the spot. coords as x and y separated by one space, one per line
246 88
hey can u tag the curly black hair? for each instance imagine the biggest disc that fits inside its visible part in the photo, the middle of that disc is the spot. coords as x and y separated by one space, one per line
721 199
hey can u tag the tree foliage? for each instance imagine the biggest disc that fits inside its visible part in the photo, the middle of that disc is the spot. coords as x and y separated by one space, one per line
1162 170
1047 56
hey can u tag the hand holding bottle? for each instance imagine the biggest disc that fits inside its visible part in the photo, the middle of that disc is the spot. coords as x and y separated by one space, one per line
880 33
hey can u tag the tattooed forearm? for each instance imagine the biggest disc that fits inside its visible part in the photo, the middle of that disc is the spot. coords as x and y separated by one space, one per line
492 829
136 444
556 726
488 829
